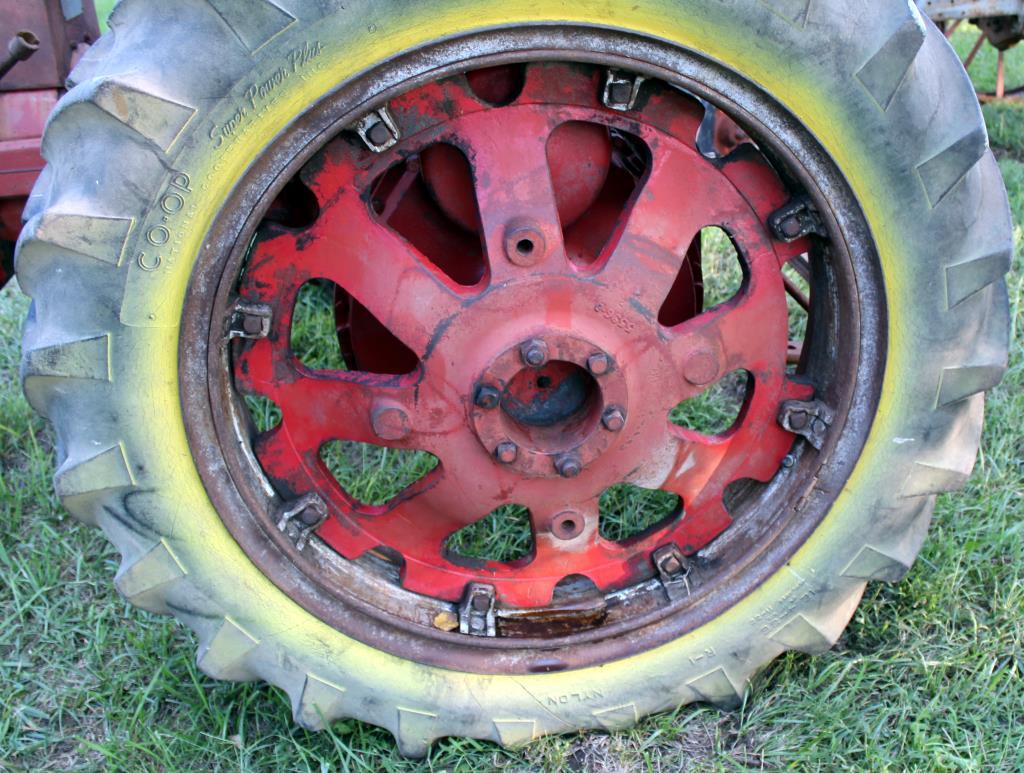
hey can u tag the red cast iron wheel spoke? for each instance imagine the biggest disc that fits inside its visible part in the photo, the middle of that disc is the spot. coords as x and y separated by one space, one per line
507 149
371 262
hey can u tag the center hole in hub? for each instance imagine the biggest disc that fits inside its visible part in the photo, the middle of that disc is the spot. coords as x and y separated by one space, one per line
552 408
525 246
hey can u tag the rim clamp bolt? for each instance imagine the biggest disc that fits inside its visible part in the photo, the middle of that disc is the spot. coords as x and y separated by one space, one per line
614 419
621 90
250 321
476 613
811 420
305 515
673 568
507 452
378 130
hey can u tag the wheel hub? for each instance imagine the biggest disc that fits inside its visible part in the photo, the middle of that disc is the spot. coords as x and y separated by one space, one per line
551 411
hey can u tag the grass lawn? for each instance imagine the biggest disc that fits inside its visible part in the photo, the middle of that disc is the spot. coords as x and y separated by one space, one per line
930 673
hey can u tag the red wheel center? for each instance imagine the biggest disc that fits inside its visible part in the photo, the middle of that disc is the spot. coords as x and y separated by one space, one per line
544 375
554 410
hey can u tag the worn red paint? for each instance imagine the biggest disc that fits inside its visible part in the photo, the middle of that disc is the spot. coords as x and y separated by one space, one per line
463 334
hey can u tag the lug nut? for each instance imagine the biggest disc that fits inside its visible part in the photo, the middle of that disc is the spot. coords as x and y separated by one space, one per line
487 397
568 465
390 423
613 419
599 364
507 452
534 353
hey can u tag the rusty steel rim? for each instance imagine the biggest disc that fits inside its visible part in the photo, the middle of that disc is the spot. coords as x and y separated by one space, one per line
540 369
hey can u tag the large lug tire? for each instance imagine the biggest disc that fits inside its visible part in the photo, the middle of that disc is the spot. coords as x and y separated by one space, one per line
170 109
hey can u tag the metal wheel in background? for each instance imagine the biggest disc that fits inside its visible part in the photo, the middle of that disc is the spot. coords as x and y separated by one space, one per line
1003 34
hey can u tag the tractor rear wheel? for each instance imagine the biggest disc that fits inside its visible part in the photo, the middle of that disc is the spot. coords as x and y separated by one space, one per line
496 369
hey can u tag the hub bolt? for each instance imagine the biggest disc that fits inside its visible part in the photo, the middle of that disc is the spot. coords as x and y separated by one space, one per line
390 423
487 397
534 353
507 452
614 419
599 364
568 465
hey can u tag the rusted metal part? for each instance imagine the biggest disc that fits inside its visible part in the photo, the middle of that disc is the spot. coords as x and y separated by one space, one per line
476 615
61 37
673 569
1001 25
364 597
796 220
301 519
952 10
20 48
580 613
810 419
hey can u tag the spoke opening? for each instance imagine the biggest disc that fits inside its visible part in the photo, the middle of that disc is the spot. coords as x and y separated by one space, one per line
314 334
797 276
498 86
429 200
331 331
596 173
373 475
505 535
628 511
264 412
712 274
296 206
717 409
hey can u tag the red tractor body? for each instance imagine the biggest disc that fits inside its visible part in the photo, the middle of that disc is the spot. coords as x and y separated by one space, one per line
56 34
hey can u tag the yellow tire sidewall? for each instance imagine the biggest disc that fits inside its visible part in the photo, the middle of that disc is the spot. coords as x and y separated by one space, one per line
146 366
